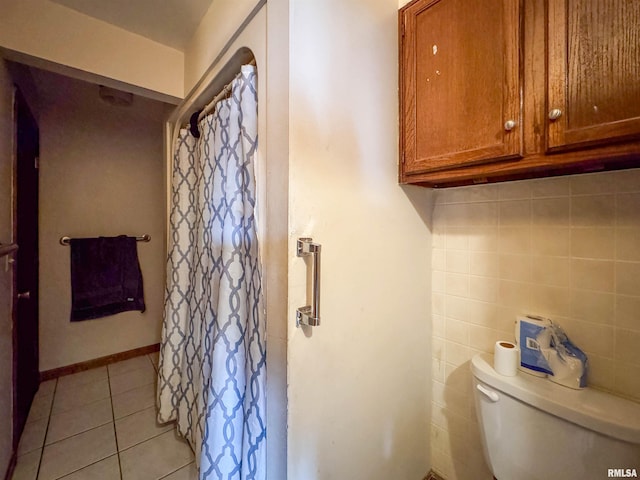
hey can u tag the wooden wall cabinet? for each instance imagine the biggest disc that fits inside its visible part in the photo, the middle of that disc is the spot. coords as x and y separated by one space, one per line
505 89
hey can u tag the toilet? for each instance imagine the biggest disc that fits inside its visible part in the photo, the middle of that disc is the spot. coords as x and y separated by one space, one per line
534 429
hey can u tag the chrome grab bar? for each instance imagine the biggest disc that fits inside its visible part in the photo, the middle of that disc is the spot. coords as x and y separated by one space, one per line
310 314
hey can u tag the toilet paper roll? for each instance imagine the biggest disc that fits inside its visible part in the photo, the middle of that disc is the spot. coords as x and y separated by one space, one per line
506 358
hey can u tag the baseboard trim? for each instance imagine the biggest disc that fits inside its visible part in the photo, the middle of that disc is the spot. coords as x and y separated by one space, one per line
98 362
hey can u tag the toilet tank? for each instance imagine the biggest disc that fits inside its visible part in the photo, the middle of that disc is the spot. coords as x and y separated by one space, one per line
534 429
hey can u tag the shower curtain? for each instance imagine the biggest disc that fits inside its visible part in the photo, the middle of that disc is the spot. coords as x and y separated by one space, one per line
212 367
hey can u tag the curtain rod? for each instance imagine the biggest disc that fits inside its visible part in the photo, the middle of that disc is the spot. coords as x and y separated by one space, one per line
66 241
223 93
208 108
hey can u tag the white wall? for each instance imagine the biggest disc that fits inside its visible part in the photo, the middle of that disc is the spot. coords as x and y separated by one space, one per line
6 286
40 30
359 383
101 173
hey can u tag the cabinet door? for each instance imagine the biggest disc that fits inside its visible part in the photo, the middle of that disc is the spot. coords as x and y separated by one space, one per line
460 83
594 72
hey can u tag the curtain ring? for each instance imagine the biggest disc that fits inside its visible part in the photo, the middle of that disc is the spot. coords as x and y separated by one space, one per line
193 124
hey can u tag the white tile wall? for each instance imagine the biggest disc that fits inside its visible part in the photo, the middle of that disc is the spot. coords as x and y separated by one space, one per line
567 248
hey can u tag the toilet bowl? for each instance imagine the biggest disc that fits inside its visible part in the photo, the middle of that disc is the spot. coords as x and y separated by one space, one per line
534 429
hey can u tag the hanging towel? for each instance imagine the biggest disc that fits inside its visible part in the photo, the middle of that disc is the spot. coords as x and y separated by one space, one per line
105 277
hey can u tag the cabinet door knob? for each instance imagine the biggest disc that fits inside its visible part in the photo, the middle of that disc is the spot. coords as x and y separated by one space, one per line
510 125
555 113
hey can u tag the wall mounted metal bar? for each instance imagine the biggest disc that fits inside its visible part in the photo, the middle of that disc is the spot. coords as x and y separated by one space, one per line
310 314
66 241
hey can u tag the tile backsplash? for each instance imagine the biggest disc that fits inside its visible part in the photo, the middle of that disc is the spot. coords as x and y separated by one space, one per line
567 248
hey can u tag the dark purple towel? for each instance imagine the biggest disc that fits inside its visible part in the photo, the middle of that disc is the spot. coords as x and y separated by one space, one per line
105 277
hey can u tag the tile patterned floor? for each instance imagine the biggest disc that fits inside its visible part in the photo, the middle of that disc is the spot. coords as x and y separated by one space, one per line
100 424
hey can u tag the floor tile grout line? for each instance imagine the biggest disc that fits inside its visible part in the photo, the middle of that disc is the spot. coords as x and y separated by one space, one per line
131 370
82 385
112 422
129 391
66 384
174 471
82 468
56 391
44 441
86 466
144 441
39 418
133 413
115 432
75 435
79 433
51 395
134 387
128 372
75 407
36 447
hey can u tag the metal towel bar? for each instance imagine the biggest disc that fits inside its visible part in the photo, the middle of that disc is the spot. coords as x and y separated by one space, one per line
310 314
144 238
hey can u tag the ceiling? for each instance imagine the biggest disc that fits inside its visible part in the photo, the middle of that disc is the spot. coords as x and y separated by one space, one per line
169 22
55 89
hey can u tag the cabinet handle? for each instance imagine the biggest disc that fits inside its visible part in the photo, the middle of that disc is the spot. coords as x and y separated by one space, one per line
555 113
510 125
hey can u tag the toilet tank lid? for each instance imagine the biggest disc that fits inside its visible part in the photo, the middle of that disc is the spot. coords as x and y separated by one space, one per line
593 409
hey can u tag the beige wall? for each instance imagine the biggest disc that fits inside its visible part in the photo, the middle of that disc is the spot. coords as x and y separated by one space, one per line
566 248
216 29
40 30
276 194
359 383
101 173
6 287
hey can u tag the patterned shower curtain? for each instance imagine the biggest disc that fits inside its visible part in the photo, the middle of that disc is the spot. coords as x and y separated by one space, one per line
212 358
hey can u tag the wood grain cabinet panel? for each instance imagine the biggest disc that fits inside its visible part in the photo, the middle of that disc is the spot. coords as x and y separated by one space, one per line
594 71
504 89
461 85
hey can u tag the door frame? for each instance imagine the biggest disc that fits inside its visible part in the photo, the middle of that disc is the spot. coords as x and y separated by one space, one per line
20 102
